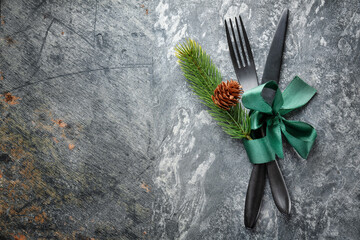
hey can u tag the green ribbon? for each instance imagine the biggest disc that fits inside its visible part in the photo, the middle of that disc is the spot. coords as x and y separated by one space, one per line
299 134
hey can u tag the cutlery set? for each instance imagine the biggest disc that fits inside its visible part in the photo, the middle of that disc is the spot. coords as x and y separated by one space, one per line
244 66
259 119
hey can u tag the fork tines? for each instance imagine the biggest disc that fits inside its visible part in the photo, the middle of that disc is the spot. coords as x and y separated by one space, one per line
245 58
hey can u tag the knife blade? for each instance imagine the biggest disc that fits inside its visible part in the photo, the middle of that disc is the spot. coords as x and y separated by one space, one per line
274 58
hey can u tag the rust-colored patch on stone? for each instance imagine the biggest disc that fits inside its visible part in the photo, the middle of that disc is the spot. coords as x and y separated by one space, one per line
59 122
71 146
19 237
145 186
146 11
40 218
24 193
27 186
62 33
10 99
16 153
16 194
1 76
9 40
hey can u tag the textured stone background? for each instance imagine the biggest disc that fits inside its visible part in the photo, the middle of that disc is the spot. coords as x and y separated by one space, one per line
101 138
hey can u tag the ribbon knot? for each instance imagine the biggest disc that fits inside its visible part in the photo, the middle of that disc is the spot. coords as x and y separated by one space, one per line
299 134
275 119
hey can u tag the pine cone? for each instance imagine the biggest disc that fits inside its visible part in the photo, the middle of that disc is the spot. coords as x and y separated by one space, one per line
227 94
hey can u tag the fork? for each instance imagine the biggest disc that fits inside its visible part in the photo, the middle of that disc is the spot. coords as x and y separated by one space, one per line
245 71
244 65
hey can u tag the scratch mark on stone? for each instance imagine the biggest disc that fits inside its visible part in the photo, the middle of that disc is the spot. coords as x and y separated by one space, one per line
80 72
22 30
71 29
44 40
40 4
140 174
96 11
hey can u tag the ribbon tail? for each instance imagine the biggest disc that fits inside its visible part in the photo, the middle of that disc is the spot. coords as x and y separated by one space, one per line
300 135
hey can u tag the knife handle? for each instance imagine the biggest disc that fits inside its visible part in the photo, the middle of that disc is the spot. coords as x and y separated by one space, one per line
278 187
254 194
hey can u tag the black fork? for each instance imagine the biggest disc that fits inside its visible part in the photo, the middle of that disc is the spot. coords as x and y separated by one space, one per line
242 59
244 66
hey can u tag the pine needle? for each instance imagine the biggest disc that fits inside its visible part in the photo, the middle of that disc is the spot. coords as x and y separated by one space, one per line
203 77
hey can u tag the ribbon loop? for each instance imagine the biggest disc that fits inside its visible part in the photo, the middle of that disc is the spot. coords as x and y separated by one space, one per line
255 101
299 134
296 95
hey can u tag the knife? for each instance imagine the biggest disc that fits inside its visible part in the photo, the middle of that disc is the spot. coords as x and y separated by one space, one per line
257 180
272 72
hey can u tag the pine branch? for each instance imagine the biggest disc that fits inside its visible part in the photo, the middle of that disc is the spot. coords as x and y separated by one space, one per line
203 78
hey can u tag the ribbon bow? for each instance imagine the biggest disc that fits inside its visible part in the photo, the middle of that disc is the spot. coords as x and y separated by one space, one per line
299 134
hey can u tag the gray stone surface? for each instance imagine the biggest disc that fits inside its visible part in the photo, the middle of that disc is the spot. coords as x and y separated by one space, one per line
108 142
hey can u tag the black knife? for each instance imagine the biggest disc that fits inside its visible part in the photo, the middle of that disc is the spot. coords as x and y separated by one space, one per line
257 180
272 72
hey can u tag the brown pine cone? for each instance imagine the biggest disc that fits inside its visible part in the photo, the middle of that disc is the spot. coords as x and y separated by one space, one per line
227 94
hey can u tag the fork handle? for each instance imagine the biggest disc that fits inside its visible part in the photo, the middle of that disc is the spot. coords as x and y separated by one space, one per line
254 195
255 189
